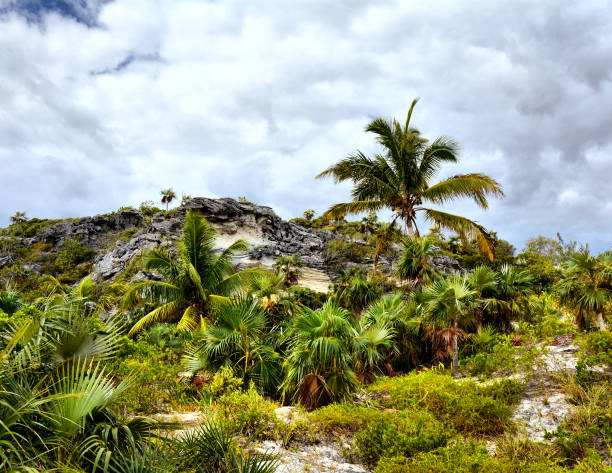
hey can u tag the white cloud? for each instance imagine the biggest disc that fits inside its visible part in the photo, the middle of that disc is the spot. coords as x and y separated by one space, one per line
234 98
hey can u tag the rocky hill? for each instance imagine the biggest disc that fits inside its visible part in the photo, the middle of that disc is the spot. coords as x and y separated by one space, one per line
117 238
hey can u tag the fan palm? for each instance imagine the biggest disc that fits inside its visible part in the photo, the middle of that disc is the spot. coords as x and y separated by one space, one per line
447 301
237 338
511 295
400 179
319 367
290 267
402 318
482 281
586 285
168 196
196 281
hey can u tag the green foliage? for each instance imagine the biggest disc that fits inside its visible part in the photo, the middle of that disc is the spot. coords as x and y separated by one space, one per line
348 418
196 281
211 449
318 367
586 286
31 227
464 405
340 252
399 178
406 436
502 358
462 457
414 263
246 412
155 385
596 350
10 300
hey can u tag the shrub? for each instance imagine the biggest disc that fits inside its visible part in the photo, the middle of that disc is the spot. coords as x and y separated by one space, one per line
464 405
462 457
347 418
339 252
507 391
155 384
405 436
72 254
247 412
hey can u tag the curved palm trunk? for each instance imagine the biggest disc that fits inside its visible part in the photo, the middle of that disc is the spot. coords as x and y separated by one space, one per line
601 324
455 348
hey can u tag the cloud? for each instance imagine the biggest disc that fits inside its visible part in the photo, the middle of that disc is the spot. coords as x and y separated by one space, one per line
104 103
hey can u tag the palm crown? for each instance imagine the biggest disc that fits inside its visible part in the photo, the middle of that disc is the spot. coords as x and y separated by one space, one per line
194 283
400 179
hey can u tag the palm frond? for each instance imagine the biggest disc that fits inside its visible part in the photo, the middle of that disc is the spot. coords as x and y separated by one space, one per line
474 186
464 227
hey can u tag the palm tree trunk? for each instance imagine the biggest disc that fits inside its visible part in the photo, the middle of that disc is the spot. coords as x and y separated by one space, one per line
600 321
455 349
478 320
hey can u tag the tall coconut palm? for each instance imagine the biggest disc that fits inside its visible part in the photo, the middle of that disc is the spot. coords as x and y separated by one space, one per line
168 196
400 179
446 302
586 285
196 280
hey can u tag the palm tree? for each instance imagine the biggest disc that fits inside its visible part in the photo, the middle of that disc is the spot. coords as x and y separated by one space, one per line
400 179
386 234
168 196
19 217
482 281
447 301
402 318
511 295
291 267
355 291
319 368
414 263
372 343
196 280
237 338
586 286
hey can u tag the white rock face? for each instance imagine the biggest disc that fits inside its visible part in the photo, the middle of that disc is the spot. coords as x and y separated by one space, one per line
320 458
544 405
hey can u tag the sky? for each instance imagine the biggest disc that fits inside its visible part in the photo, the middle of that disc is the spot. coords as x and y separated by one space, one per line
104 103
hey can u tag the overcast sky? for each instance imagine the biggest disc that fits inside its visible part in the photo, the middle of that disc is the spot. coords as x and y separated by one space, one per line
102 104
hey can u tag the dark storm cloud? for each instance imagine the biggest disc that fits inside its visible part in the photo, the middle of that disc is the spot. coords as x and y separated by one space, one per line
231 99
83 11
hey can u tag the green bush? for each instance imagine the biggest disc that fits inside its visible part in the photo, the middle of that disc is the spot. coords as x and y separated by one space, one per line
508 391
347 418
338 252
472 457
464 405
155 385
247 412
72 254
503 358
406 436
